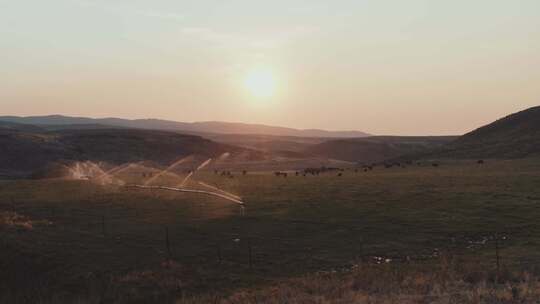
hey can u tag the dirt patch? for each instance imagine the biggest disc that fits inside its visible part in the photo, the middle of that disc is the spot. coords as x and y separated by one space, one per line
9 219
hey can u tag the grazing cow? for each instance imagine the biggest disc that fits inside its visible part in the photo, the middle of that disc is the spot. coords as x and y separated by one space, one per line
340 174
435 164
323 169
481 162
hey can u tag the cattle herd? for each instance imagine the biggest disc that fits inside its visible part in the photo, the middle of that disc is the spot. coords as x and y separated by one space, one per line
225 173
337 171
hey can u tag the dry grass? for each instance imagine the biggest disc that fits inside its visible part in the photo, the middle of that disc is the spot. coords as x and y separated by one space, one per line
383 284
443 283
9 219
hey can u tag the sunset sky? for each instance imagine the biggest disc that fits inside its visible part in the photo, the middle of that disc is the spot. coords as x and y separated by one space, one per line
414 67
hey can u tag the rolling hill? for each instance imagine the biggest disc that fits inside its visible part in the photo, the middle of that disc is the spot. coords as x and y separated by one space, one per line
376 148
24 148
268 143
514 136
56 121
24 153
13 126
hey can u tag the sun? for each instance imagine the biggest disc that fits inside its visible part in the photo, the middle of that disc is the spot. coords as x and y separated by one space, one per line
260 83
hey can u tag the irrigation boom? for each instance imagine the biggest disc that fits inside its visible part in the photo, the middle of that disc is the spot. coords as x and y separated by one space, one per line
223 196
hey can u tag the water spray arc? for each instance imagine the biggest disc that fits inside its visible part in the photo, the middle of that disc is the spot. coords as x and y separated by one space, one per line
174 165
219 190
110 174
92 171
204 164
119 169
180 188
89 170
239 202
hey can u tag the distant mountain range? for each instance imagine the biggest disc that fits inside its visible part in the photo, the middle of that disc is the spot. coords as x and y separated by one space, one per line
63 122
28 144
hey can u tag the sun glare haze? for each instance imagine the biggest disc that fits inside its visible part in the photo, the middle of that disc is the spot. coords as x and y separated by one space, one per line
181 60
260 83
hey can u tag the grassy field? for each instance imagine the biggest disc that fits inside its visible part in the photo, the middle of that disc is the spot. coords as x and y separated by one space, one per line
65 239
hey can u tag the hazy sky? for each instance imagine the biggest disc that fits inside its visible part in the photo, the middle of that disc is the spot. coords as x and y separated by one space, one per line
381 66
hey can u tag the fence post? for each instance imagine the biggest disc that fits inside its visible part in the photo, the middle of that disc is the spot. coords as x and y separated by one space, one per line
360 255
168 245
250 254
103 225
219 254
498 257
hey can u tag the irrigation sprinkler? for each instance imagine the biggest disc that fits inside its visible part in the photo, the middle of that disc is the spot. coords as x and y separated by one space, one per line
223 196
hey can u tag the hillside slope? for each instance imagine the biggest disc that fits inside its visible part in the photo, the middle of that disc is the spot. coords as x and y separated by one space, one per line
13 126
26 152
268 143
514 136
377 148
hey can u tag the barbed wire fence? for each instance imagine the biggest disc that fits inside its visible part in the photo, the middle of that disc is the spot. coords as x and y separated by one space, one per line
184 242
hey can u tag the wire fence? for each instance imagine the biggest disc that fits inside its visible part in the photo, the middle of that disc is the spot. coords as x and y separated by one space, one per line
131 232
